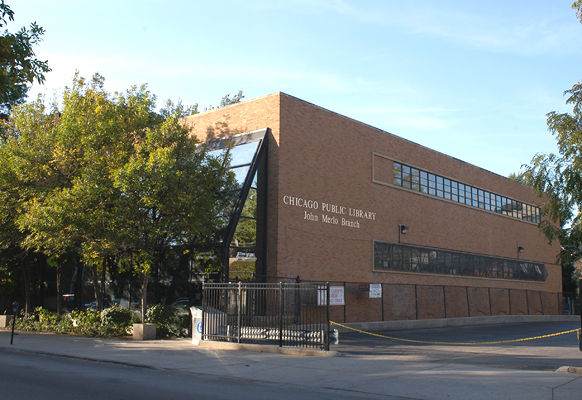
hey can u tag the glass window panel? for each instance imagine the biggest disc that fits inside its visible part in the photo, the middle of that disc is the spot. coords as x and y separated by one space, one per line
447 185
397 171
243 154
513 205
432 184
245 234
423 176
423 182
447 188
474 197
461 193
406 176
497 203
504 206
487 201
454 188
519 210
415 179
216 153
439 186
240 174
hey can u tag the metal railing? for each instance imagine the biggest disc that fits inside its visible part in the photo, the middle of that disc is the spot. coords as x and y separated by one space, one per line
283 314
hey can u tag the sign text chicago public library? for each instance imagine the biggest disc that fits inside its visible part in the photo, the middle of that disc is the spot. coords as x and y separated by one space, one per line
329 213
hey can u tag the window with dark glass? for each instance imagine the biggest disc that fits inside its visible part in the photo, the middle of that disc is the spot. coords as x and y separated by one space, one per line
409 258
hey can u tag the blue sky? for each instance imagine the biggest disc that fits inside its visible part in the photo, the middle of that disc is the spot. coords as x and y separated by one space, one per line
473 79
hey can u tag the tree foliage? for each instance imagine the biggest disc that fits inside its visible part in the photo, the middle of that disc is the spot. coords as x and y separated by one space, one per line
559 176
577 5
19 67
110 179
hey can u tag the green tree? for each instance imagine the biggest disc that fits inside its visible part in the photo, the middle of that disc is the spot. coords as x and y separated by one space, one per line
172 195
559 176
94 137
26 175
110 180
19 67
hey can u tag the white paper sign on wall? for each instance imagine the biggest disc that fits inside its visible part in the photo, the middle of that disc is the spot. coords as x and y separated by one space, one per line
375 290
336 296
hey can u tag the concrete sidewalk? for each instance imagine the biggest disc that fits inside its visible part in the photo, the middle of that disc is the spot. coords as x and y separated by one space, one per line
410 376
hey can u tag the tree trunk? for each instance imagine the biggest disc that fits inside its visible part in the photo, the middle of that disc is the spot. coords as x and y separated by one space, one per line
59 290
27 286
97 288
144 297
103 271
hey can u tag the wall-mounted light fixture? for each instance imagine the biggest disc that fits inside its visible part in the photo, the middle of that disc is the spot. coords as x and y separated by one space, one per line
402 230
520 249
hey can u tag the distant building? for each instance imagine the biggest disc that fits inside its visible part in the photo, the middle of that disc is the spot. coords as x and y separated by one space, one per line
401 231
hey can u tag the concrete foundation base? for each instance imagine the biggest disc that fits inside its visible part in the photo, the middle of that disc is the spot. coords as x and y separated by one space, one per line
448 322
5 321
144 331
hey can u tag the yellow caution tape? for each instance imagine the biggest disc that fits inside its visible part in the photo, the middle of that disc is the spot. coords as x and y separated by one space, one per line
455 343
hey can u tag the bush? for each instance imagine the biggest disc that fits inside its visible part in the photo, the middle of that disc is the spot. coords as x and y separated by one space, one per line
86 322
42 320
115 321
111 322
168 323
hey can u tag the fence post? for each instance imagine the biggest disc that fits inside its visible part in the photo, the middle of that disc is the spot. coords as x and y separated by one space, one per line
281 310
204 300
327 323
238 303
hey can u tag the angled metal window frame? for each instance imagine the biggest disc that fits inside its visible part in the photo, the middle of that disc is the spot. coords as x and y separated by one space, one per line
259 156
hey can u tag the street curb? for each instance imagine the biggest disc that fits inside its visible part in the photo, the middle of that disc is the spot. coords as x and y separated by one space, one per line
215 345
73 357
570 370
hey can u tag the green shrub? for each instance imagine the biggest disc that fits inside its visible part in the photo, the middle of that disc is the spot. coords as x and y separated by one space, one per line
115 321
168 323
86 322
111 322
27 323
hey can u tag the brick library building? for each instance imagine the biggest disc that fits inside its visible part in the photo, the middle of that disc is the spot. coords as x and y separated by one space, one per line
399 230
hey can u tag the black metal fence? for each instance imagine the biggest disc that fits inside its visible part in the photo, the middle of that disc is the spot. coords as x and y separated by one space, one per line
283 314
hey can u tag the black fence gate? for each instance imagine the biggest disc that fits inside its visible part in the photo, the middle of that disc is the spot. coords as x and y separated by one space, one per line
283 314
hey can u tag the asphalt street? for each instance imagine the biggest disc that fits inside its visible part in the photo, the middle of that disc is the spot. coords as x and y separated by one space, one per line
547 354
34 376
68 367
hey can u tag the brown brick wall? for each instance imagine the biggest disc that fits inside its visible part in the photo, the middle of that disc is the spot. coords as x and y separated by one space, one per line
534 300
456 302
430 302
518 302
550 303
479 302
500 301
359 306
399 302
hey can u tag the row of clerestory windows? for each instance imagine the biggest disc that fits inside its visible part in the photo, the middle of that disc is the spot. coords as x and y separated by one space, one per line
435 185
